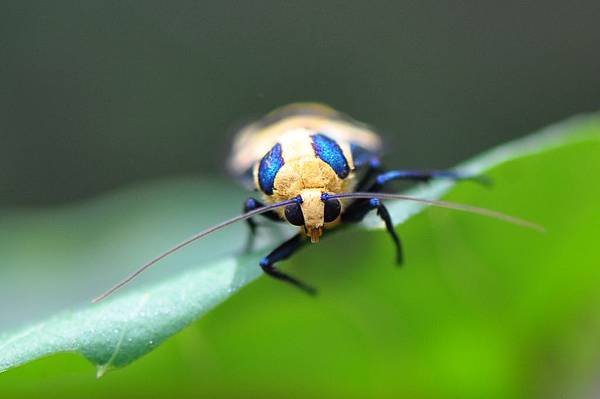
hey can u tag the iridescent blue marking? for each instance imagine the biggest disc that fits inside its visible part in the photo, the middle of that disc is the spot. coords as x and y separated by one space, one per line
330 152
268 168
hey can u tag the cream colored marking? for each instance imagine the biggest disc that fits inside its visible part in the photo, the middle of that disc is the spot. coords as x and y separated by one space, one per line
313 209
254 141
347 151
296 144
309 177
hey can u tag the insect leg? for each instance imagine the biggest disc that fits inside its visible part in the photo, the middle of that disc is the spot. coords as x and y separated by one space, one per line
422 176
359 209
250 205
282 252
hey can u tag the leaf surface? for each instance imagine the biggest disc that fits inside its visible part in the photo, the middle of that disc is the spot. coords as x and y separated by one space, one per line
118 331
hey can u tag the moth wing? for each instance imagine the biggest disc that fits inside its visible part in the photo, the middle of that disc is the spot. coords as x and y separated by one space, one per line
250 144
253 141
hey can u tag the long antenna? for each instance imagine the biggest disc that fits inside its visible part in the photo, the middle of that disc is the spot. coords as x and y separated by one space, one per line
190 240
438 203
445 204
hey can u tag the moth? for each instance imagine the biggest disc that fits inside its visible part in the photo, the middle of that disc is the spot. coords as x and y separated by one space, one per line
317 169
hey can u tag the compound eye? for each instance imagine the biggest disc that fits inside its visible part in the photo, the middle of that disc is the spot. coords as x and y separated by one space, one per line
332 210
293 214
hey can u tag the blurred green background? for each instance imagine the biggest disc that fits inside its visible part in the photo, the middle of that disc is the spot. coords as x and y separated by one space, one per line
97 94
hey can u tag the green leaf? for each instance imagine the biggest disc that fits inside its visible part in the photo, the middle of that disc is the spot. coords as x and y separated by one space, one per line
122 329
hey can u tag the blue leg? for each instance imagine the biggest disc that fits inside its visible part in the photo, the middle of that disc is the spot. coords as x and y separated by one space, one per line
359 209
422 176
280 253
250 205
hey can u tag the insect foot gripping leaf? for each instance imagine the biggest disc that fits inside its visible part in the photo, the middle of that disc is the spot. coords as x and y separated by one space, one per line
124 327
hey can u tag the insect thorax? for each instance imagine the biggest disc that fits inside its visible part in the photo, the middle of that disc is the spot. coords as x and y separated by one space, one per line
301 160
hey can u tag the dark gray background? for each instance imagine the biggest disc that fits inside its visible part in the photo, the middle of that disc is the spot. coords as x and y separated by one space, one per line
97 94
